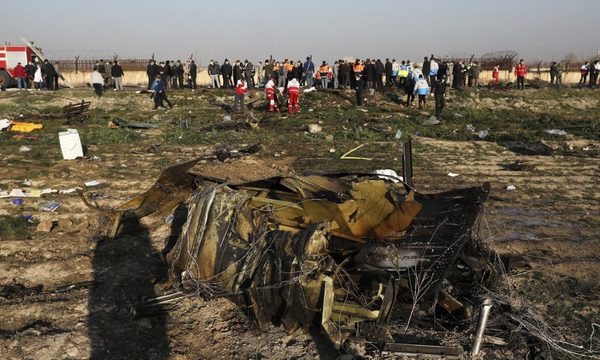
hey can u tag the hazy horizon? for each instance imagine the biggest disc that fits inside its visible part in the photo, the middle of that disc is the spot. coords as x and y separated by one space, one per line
536 29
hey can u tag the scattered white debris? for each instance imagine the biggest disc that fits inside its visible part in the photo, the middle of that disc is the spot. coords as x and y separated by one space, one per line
332 150
70 144
556 132
451 174
227 118
91 183
306 91
388 174
431 121
50 206
24 149
398 134
511 188
470 128
483 134
4 124
314 128
67 191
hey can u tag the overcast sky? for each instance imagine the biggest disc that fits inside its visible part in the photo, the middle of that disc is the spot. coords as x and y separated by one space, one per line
327 29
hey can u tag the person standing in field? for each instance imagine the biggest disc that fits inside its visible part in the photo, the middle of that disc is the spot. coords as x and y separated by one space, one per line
241 88
475 72
97 81
160 93
584 70
496 75
21 76
439 92
116 72
520 73
193 73
38 78
422 89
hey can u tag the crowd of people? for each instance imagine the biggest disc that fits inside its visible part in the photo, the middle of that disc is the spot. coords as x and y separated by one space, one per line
38 75
286 77
432 75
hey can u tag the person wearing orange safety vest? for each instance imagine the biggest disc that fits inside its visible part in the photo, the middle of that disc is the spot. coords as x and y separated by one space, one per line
357 69
271 96
324 74
293 89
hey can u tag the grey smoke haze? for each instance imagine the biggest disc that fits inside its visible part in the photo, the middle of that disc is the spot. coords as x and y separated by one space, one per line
327 29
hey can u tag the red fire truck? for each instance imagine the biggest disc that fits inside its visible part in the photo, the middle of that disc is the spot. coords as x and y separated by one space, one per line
10 56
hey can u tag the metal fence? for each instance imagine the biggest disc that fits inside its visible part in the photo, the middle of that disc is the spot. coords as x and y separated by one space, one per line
88 65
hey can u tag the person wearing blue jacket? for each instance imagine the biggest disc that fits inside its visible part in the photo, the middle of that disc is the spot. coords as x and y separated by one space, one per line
422 89
160 93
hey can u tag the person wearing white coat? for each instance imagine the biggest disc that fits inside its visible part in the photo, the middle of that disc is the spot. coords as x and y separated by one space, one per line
97 81
38 78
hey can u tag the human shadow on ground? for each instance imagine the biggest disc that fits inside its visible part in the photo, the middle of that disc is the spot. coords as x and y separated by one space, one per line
125 270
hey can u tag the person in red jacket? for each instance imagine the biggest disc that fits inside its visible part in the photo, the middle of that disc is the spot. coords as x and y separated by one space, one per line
241 88
293 89
496 75
21 76
521 72
270 90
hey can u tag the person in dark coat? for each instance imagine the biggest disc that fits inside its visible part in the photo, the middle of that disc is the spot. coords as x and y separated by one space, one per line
49 73
249 72
178 75
101 67
360 90
439 91
370 73
409 86
345 72
167 73
152 70
379 71
238 71
30 70
426 69
193 74
226 72
388 73
457 75
116 72
160 93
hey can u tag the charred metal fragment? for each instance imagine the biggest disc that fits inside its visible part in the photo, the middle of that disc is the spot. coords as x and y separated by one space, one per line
349 253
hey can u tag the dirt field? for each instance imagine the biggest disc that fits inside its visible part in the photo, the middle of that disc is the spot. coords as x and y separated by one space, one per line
552 218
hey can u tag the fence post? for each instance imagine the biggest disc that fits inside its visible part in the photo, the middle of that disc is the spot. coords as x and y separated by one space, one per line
77 64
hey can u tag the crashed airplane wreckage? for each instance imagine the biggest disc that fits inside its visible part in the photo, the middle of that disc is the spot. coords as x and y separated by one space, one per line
346 252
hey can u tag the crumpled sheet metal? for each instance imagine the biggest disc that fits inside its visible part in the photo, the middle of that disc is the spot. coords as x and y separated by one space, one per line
298 251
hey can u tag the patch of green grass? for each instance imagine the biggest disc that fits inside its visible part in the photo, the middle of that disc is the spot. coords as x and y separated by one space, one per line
12 227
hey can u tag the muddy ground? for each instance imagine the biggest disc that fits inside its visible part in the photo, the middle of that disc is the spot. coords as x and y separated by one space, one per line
552 218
